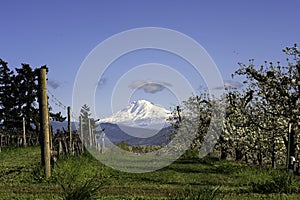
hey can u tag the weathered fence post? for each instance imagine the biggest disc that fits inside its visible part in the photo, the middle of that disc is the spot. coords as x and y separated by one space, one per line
288 151
90 132
24 132
70 130
44 121
81 132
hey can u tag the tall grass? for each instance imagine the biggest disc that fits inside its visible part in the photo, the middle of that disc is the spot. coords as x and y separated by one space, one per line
87 190
206 193
77 182
277 182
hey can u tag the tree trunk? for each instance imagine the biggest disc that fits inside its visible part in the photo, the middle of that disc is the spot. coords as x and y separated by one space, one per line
259 158
224 153
293 145
273 153
238 154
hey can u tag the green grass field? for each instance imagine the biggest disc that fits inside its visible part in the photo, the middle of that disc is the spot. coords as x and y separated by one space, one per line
83 177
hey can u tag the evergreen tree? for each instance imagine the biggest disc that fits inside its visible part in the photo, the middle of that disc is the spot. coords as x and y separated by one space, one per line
6 103
85 113
19 97
25 92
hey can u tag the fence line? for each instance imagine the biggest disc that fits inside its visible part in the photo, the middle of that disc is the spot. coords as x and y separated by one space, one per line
60 105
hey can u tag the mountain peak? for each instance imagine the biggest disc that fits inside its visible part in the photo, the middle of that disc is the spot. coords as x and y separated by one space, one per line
139 106
140 113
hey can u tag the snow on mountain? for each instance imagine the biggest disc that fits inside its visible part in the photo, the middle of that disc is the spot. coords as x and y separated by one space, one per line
140 113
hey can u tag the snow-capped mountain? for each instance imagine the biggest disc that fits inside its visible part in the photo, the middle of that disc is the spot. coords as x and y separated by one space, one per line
140 113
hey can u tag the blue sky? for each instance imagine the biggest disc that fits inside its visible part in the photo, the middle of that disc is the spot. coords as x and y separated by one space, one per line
61 34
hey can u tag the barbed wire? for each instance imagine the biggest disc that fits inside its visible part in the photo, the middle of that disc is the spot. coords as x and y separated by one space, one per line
59 104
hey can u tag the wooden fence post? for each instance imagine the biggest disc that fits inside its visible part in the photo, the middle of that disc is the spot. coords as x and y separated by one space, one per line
81 132
24 133
44 121
70 130
288 147
90 133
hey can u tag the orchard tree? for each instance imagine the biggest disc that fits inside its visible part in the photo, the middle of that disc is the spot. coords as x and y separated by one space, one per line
234 137
192 118
198 122
276 89
242 138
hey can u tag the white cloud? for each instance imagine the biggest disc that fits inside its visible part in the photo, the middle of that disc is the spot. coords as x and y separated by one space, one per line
149 86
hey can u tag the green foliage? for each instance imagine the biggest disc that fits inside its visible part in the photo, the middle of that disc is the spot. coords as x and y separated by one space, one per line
191 154
207 160
77 182
38 175
87 190
278 182
228 168
123 145
25 93
206 193
5 88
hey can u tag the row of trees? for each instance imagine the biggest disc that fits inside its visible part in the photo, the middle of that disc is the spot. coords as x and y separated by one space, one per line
19 98
261 119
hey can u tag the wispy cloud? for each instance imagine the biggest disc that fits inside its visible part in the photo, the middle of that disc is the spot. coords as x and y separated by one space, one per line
54 84
233 84
149 86
101 82
229 84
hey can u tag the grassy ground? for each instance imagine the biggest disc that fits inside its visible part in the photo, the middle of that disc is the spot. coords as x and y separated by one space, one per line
76 177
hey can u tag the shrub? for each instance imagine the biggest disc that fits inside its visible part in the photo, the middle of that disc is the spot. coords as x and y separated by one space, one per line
87 190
